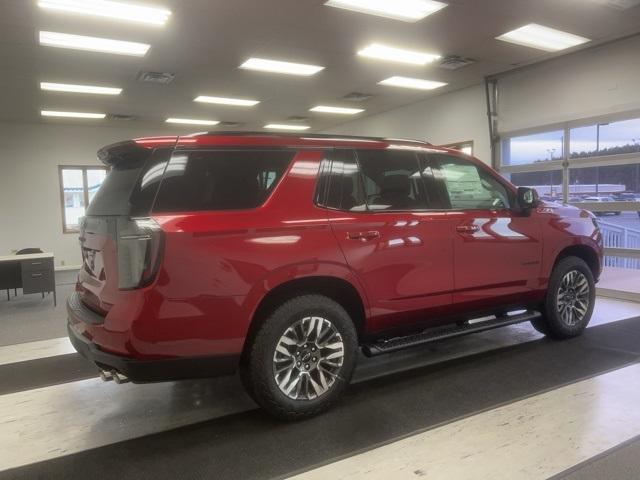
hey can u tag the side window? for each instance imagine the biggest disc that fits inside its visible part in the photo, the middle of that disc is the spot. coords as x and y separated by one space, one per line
470 187
345 187
220 180
392 180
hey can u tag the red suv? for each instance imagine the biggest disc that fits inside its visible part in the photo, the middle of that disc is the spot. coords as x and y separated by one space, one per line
280 256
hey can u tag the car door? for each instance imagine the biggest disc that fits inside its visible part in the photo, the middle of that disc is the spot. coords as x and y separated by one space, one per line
497 250
401 250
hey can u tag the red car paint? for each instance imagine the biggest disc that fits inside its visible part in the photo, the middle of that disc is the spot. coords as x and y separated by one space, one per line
410 269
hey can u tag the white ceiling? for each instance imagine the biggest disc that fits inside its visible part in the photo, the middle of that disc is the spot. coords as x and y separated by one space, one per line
206 40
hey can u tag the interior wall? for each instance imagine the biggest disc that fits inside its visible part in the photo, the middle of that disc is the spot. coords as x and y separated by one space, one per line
30 210
449 118
599 81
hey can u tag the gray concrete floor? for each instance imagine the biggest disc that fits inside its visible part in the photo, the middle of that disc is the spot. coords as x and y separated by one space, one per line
28 318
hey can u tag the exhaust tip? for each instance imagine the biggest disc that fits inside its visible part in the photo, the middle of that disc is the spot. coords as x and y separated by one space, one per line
106 376
119 378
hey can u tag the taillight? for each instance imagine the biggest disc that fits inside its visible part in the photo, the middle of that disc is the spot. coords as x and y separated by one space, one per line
140 245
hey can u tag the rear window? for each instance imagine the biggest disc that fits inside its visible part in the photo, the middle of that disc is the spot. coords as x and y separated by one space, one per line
131 185
220 180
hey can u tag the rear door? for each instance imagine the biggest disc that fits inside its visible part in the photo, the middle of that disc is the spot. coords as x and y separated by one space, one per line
497 250
384 212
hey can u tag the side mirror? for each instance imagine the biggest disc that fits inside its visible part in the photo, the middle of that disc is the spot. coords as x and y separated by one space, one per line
527 198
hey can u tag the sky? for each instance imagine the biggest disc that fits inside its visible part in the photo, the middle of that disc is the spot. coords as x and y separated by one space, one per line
529 148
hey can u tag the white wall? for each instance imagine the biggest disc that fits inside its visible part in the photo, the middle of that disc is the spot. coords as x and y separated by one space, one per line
29 188
448 118
598 81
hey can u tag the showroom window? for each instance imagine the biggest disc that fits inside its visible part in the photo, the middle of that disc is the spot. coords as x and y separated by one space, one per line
78 186
598 170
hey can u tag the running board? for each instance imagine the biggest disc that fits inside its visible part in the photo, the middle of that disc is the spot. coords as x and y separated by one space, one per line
433 335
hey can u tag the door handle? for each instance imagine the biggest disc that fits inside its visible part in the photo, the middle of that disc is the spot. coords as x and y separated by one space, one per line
364 236
467 228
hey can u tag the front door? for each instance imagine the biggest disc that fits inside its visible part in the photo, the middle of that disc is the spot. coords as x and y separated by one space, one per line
497 250
400 248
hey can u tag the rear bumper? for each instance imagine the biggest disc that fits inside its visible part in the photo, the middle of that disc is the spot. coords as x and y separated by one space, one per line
156 370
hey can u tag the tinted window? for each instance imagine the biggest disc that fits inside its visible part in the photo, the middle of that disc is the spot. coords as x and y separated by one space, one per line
131 186
113 196
392 180
470 187
220 180
345 186
146 187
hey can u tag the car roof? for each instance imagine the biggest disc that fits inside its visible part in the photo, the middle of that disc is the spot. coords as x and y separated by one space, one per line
266 139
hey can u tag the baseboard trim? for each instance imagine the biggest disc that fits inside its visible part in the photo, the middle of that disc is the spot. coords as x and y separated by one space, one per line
62 268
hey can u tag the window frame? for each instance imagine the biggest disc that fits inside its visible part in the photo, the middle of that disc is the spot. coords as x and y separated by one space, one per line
85 190
458 146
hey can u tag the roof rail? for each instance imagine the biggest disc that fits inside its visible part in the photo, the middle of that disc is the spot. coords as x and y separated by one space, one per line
300 135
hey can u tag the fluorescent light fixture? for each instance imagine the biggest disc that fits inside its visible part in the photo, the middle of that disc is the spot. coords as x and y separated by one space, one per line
65 87
92 44
281 126
415 83
542 38
276 66
383 52
52 113
226 101
405 10
340 110
110 9
192 121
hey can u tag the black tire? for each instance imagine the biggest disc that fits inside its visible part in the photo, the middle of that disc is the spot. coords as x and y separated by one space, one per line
259 374
552 323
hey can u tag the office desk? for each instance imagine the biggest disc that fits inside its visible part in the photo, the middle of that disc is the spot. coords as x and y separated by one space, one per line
33 273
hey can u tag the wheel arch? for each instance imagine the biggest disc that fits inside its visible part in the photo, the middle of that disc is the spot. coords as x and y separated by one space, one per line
584 252
338 289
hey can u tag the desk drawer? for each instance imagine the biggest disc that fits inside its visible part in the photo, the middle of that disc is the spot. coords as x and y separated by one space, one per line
36 265
35 282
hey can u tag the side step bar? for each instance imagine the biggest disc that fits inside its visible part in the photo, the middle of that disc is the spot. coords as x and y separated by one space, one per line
433 335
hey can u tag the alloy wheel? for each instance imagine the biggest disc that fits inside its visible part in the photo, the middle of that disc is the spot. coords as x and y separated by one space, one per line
308 358
572 301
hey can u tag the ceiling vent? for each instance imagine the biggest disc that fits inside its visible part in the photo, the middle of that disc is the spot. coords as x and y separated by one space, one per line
156 77
231 124
454 62
357 96
619 4
120 117
297 118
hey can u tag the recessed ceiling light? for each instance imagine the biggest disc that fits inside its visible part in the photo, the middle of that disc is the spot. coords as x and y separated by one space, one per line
92 44
341 110
405 10
65 87
282 126
52 113
542 38
383 52
416 83
276 66
226 101
192 121
110 9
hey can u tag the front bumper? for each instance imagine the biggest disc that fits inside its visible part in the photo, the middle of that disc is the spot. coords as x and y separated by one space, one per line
156 370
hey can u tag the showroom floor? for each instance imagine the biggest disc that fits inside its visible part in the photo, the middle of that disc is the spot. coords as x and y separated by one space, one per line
501 404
